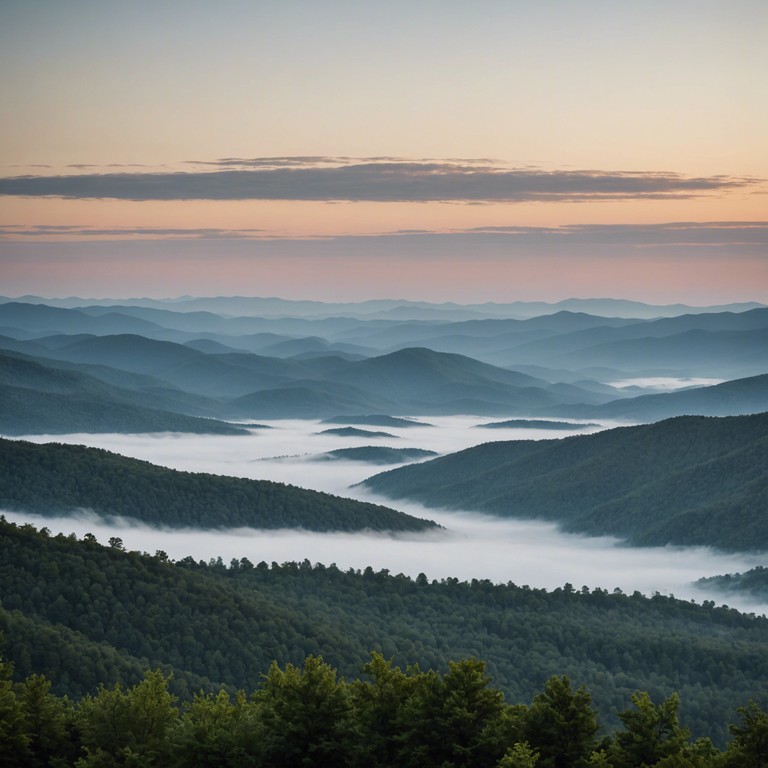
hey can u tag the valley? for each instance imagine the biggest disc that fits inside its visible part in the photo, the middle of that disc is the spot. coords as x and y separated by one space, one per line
354 473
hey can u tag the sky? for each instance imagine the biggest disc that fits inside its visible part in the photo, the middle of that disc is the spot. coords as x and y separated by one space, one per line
337 150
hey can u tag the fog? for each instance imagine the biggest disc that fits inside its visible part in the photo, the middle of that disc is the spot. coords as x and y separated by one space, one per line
469 546
664 383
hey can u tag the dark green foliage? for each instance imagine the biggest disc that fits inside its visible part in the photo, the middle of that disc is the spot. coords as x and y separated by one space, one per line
749 748
57 479
306 716
47 720
690 480
84 614
127 727
651 732
561 725
217 730
14 738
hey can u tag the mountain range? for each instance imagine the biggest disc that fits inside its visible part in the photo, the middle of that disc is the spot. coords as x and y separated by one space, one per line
124 360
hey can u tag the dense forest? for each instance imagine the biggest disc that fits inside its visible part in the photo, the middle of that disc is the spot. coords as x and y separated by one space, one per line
83 614
54 478
691 480
306 715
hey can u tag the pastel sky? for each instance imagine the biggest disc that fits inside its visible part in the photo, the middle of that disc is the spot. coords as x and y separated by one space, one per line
492 150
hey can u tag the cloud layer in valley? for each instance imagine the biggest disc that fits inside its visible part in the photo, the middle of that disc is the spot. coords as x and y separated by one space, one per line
471 546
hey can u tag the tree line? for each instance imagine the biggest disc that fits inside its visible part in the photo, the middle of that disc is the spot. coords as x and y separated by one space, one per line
307 716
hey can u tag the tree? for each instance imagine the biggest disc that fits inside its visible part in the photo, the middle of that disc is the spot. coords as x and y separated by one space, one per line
13 737
127 727
454 721
46 719
749 748
306 716
519 756
651 732
377 705
561 724
216 732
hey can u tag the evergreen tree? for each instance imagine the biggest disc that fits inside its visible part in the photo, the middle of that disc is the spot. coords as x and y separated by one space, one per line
127 727
216 732
305 713
14 740
47 723
749 748
651 732
561 724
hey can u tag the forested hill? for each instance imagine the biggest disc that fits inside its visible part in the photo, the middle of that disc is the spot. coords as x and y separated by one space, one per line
55 479
84 614
691 480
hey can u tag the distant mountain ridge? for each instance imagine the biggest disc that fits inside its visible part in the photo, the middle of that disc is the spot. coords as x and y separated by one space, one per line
690 480
730 398
36 398
245 367
273 305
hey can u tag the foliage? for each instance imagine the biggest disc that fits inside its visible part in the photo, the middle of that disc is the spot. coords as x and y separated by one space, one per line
54 478
84 614
309 716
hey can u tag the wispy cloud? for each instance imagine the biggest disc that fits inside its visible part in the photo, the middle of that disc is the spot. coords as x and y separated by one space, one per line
373 180
53 231
737 236
711 233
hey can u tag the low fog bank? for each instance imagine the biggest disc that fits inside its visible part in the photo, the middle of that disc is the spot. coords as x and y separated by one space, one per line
285 451
664 383
473 546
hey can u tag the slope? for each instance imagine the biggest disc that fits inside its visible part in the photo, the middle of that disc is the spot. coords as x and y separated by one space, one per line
36 398
83 614
731 398
54 479
688 480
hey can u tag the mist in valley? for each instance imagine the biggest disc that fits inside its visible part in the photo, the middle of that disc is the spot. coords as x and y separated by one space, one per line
469 545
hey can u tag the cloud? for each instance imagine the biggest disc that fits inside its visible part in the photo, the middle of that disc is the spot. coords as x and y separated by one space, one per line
74 231
522 551
703 239
375 180
682 233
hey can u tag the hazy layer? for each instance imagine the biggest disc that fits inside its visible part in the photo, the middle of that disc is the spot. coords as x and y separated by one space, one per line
665 383
472 546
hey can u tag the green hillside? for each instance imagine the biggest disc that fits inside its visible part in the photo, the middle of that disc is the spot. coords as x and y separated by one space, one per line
82 613
54 479
689 480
